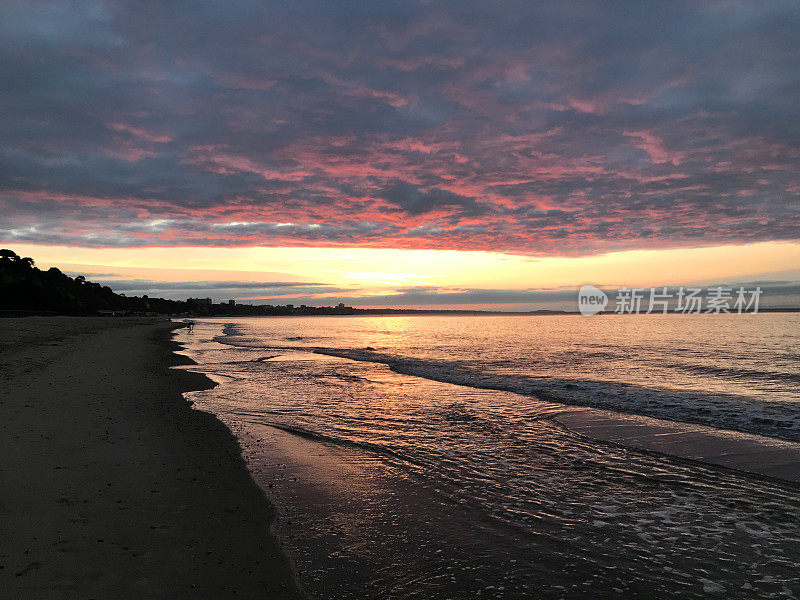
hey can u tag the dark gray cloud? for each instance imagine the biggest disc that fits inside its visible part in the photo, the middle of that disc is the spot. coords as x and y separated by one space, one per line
774 294
414 201
218 290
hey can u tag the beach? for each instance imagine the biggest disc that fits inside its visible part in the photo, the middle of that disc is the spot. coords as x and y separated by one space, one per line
111 486
366 458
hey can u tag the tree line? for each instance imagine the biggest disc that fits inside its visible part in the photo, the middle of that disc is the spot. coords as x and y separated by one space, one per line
24 288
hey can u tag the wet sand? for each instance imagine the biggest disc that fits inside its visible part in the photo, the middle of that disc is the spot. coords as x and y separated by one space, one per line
754 454
110 485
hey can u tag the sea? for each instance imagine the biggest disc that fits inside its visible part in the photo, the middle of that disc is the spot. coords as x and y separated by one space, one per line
422 457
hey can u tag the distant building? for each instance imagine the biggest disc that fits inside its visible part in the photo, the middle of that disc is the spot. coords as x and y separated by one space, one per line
340 306
200 301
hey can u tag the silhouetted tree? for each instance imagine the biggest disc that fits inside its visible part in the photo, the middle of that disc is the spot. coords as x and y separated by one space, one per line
7 255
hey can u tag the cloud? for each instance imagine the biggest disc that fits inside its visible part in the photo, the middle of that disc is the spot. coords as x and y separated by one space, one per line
415 201
219 290
774 294
534 128
145 284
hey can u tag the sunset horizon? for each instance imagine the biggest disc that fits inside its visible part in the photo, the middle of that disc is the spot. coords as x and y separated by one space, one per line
420 279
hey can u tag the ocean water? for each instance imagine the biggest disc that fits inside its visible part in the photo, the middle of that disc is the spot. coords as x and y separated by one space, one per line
417 457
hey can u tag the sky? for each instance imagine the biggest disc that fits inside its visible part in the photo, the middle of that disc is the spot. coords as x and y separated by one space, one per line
464 154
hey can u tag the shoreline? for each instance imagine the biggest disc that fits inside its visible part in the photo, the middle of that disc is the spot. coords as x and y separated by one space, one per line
753 454
111 485
746 453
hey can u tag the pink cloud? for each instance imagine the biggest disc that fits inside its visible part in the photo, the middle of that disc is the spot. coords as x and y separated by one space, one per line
654 146
140 133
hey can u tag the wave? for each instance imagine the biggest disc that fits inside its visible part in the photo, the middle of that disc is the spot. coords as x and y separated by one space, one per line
722 411
340 441
265 358
777 419
735 373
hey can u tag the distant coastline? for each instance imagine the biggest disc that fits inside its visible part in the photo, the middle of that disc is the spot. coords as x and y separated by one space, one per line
26 290
350 311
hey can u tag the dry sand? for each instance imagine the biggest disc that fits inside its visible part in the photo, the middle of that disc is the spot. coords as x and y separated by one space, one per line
110 485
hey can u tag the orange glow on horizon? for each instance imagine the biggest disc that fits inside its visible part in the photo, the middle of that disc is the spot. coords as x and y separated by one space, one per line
369 272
